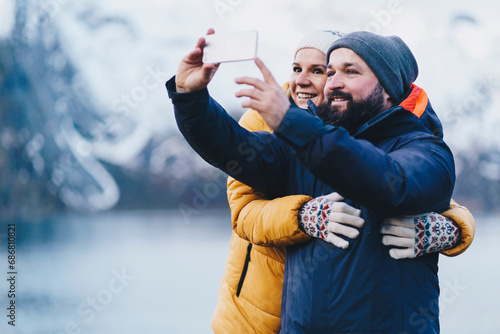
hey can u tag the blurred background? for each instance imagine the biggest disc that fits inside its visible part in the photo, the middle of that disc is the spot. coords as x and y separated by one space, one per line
121 227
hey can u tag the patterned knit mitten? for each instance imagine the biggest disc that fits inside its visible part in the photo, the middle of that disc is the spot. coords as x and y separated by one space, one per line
419 235
326 217
434 233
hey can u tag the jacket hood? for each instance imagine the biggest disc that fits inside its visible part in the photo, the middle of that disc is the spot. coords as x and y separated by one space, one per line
418 103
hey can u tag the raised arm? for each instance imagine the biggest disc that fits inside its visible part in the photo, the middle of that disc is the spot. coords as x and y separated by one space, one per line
255 158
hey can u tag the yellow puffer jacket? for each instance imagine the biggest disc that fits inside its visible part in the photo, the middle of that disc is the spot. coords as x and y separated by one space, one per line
270 225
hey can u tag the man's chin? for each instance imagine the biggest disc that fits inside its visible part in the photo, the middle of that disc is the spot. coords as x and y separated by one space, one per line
337 108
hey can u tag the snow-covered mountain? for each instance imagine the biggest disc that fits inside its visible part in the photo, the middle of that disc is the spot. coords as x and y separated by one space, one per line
86 119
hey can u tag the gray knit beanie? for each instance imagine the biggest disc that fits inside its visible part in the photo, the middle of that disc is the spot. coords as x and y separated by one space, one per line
319 40
388 57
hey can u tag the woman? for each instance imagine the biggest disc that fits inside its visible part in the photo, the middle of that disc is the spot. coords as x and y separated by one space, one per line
250 293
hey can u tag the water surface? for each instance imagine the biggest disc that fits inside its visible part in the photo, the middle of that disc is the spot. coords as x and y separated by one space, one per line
159 272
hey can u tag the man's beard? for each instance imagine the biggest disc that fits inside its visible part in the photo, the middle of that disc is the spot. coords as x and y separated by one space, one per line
357 112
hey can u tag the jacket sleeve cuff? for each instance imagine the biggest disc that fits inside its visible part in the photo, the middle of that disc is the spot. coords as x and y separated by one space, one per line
465 221
182 97
298 128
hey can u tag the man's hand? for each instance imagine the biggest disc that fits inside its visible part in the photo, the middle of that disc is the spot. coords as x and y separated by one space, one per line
192 74
416 236
326 217
266 97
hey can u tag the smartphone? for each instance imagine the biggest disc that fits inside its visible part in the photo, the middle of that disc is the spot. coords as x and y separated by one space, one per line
230 46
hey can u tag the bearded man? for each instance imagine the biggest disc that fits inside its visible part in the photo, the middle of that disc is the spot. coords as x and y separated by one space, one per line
373 143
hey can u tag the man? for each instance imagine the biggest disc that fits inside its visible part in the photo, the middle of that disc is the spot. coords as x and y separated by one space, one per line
381 157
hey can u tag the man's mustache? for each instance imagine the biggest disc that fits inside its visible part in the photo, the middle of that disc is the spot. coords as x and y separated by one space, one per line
338 94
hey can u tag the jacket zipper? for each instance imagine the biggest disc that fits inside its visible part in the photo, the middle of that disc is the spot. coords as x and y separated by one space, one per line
244 272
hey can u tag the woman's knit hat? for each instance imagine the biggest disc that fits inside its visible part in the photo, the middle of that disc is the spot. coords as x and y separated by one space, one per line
388 57
320 40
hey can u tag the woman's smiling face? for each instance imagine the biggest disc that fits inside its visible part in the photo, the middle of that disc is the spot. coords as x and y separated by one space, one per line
308 77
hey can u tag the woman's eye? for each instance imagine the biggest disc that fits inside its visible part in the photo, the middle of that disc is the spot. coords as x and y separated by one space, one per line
297 69
318 71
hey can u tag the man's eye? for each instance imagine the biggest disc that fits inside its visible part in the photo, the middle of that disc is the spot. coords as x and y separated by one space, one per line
330 74
351 72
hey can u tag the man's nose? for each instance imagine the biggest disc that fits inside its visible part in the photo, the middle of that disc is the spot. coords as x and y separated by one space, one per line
333 82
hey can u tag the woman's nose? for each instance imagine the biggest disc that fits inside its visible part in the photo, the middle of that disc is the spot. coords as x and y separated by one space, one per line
303 79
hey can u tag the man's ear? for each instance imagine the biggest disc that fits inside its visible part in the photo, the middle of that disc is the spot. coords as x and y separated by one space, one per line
388 101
